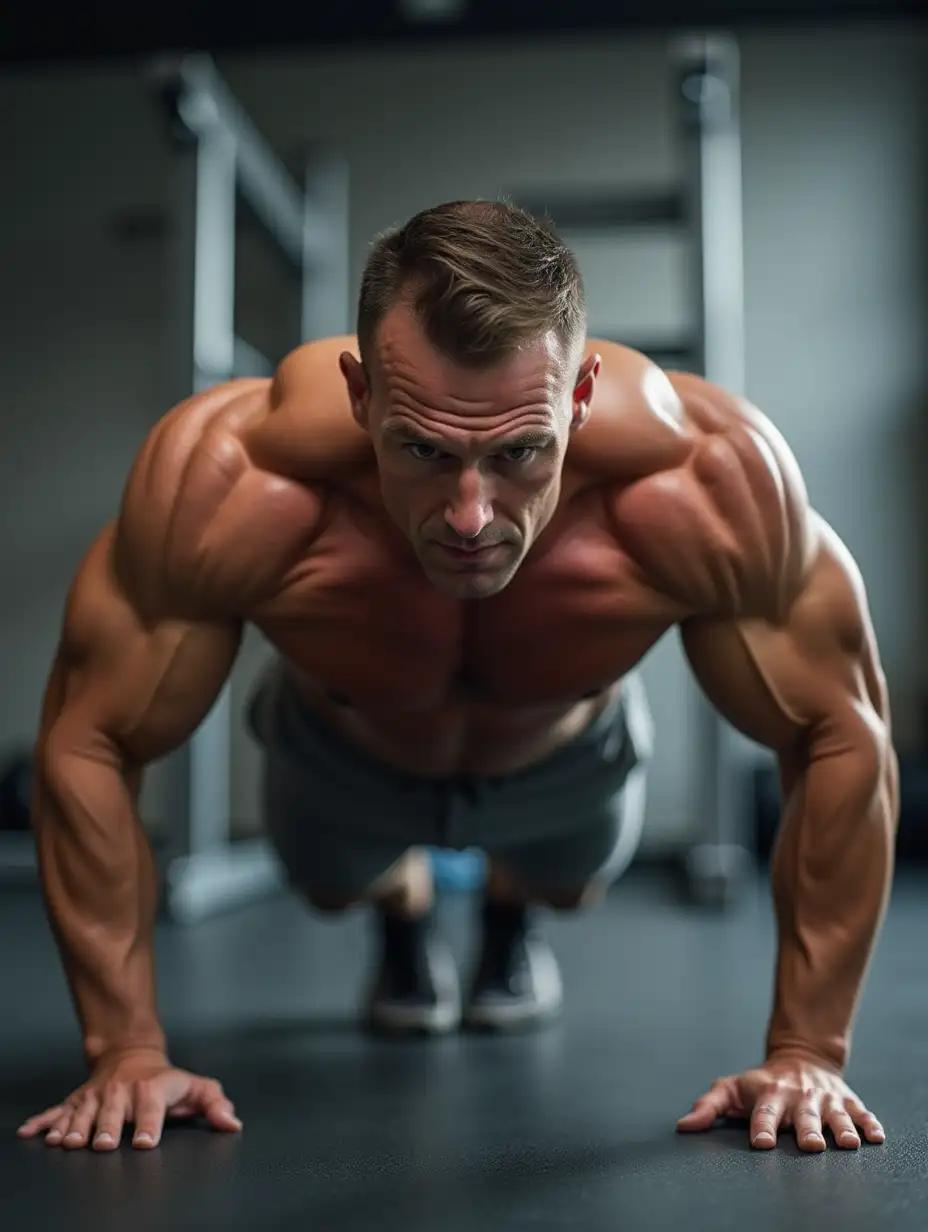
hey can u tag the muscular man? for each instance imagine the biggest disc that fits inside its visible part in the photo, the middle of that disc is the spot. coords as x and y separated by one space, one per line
461 532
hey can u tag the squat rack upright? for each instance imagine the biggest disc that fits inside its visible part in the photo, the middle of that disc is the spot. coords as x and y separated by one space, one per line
221 154
705 206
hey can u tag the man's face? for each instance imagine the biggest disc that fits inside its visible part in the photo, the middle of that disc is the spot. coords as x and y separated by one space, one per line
470 460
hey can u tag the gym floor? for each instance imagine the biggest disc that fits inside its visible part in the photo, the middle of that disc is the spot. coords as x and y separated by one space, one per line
572 1127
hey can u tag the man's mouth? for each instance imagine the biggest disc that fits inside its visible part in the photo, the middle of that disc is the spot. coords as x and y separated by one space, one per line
471 551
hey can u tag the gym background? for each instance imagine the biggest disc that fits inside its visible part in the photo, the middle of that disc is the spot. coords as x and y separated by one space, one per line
834 208
435 100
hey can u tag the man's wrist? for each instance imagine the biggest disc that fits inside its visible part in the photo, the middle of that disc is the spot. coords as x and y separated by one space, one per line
99 1051
804 1051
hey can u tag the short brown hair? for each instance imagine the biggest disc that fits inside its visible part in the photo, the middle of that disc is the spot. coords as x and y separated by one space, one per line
483 277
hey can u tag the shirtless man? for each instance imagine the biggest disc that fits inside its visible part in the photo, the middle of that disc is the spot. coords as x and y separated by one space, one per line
461 531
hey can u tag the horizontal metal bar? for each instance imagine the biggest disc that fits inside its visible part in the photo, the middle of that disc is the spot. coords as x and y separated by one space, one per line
205 104
669 354
674 359
610 211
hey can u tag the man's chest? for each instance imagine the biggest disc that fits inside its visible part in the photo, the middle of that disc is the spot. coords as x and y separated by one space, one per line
371 632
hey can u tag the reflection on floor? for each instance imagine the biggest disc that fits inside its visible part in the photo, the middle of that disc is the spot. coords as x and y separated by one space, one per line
572 1127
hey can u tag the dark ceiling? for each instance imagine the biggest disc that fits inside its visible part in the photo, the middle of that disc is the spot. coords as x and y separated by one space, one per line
32 31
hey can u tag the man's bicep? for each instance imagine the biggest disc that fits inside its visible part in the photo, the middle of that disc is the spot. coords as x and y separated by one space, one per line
139 682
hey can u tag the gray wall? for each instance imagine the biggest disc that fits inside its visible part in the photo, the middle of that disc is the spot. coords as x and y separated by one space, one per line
835 202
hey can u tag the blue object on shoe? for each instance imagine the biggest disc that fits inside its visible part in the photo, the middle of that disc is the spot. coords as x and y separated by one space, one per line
458 870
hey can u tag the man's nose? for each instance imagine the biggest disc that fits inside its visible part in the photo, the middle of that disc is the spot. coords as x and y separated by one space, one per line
471 507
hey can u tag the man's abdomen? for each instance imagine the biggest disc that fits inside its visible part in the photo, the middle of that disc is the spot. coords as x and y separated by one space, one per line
458 737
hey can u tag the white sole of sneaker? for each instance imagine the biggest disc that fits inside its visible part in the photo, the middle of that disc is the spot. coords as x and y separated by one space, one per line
410 1020
549 996
397 1018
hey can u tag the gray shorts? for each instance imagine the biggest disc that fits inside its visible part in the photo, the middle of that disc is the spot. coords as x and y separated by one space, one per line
339 819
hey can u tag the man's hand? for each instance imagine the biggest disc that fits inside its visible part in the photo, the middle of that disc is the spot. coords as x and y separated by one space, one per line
140 1087
788 1091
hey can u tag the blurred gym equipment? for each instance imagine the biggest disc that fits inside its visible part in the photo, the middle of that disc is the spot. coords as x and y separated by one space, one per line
706 206
220 157
221 154
720 862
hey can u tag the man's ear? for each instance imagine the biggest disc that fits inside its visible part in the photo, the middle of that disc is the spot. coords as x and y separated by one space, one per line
358 389
583 390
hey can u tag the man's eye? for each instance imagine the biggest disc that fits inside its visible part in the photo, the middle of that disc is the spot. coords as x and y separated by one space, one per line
424 453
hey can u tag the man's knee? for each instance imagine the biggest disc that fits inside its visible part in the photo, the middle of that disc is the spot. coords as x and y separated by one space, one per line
507 885
405 887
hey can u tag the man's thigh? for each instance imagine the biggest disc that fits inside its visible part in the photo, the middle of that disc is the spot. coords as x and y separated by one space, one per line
577 819
327 863
338 821
592 854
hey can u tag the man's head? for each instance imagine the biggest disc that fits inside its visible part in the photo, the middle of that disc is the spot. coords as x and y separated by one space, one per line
471 327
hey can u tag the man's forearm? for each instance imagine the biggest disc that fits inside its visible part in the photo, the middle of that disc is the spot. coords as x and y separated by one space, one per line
832 874
100 887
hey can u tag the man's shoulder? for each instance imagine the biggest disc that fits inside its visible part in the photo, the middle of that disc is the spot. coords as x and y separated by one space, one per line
201 526
637 423
718 514
309 433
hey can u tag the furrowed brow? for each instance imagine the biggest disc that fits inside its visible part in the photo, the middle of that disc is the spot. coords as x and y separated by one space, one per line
534 438
401 432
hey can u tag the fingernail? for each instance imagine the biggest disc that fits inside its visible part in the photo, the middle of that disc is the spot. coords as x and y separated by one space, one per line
236 1122
849 1136
143 1139
74 1136
764 1139
104 1140
54 1137
816 1139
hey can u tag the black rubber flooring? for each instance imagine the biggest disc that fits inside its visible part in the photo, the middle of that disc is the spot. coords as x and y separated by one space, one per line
572 1127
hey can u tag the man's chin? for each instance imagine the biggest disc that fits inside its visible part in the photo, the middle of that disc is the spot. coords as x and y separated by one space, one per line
475 584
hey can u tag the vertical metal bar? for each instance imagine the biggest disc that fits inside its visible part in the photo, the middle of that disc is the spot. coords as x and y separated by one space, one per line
214 361
214 261
709 103
205 871
200 772
326 274
720 217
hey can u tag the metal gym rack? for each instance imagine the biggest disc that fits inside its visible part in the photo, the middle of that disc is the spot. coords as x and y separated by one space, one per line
706 207
221 155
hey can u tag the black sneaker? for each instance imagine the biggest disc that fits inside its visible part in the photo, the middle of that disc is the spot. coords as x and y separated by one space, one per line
416 986
517 982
